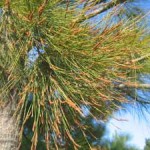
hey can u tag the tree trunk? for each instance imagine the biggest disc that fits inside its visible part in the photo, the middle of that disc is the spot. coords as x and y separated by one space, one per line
8 129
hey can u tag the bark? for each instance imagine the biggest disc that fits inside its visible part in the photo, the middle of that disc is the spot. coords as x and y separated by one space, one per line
8 129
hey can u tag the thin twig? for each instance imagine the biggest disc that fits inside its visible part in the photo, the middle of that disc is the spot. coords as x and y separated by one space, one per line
133 85
140 58
103 7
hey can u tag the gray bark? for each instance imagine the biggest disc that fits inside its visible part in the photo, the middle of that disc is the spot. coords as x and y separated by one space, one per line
8 129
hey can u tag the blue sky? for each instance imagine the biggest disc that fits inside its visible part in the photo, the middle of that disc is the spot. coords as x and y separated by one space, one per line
137 128
136 120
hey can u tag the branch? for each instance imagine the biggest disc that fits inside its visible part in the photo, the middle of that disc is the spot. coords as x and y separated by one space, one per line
139 59
133 85
142 101
88 2
103 7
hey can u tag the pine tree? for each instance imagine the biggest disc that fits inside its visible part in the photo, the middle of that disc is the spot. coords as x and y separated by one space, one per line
53 62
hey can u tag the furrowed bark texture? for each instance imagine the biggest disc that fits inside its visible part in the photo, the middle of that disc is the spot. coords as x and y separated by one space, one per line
8 129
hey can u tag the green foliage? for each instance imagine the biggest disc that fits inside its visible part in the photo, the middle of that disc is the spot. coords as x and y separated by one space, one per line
147 144
79 66
119 143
